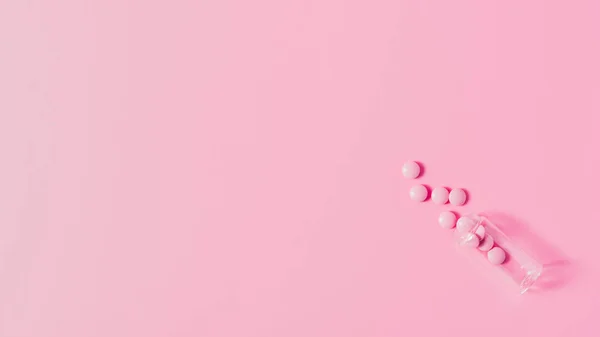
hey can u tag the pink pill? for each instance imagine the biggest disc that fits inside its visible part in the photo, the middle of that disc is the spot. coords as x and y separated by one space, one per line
439 195
472 241
418 193
411 170
486 244
458 197
496 255
480 231
465 224
447 219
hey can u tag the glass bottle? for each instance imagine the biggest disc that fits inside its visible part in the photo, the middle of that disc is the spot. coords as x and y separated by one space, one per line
521 267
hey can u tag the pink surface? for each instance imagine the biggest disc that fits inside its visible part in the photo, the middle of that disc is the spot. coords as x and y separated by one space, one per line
233 168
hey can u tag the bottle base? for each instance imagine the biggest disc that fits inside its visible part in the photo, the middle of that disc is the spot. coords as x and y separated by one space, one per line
529 280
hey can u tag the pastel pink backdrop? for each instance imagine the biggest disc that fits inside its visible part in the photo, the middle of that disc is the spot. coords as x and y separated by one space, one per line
232 168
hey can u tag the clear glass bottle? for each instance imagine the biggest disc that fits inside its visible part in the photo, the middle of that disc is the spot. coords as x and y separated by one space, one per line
521 267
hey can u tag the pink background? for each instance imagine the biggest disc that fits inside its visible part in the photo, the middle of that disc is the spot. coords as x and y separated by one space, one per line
232 168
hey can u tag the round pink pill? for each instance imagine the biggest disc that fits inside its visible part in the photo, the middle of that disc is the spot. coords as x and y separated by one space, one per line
480 231
439 195
486 244
411 170
418 193
458 197
472 241
447 219
465 224
496 255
